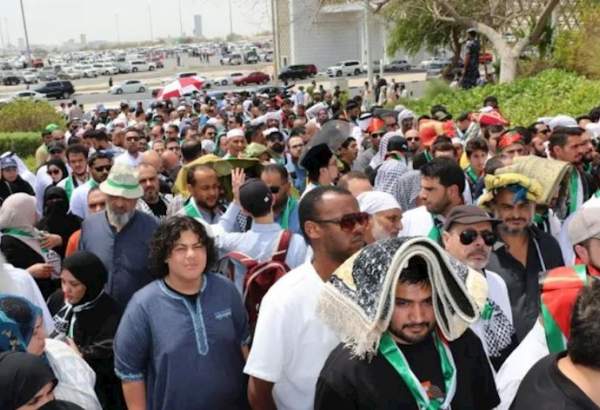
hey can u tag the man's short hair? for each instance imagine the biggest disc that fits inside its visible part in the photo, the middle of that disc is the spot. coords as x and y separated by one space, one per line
98 135
99 155
583 347
190 150
276 168
443 143
415 273
77 149
476 144
192 171
560 136
139 133
492 164
345 179
308 209
447 171
163 242
297 132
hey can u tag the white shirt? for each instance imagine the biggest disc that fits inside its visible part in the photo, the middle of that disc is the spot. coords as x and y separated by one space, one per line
79 200
521 360
416 222
127 159
42 181
20 283
291 343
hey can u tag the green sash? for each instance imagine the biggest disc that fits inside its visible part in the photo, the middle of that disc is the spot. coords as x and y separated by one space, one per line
192 210
69 187
395 357
471 174
428 156
285 215
434 233
573 185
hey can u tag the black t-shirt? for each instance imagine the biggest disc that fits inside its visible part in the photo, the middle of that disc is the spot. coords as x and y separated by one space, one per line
546 387
158 209
350 383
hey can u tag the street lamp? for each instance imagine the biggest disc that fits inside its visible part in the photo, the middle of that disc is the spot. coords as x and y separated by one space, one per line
26 35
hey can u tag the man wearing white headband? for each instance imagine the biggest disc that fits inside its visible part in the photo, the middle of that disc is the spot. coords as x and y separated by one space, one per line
385 215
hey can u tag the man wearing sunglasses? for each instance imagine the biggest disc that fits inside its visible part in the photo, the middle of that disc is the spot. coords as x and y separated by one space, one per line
469 236
291 343
375 130
99 165
132 156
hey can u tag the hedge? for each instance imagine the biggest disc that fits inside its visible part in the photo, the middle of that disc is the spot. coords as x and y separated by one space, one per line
22 143
25 115
523 101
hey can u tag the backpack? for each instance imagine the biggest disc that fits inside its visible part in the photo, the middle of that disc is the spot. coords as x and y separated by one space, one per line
260 276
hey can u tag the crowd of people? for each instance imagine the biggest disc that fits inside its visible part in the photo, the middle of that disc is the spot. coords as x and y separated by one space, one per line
302 250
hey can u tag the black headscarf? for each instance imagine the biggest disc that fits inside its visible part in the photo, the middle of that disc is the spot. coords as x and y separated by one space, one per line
57 219
89 270
22 375
59 163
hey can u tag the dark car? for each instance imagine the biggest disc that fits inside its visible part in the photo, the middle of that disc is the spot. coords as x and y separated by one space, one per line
256 77
57 89
9 78
272 91
297 71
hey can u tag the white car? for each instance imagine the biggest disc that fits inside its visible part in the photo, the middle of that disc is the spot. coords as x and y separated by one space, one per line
129 86
25 95
350 67
227 80
106 68
87 71
140 65
30 77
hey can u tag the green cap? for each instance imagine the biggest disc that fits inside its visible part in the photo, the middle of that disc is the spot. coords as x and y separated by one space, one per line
255 150
51 127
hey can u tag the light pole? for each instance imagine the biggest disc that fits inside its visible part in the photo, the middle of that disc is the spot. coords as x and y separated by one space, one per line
367 45
26 35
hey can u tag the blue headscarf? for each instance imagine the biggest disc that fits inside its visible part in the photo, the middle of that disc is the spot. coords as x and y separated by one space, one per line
17 322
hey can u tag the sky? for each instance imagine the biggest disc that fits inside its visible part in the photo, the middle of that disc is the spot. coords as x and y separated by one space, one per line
52 22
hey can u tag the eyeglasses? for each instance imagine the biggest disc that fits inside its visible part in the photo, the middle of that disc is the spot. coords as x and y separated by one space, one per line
274 189
104 168
54 171
348 222
376 135
411 139
468 236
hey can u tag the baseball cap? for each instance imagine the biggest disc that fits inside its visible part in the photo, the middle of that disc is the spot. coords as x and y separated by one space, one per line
8 162
256 197
467 214
397 143
51 127
584 225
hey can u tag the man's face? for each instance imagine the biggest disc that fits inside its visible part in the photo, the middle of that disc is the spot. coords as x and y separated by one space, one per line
328 237
78 163
96 201
210 134
386 224
171 133
156 133
57 154
322 116
352 150
407 124
235 145
331 173
542 131
276 183
590 252
477 160
515 217
206 188
272 123
413 318
132 142
187 260
587 147
537 145
100 169
58 136
572 152
413 140
148 179
296 145
120 205
175 148
275 142
514 150
391 123
434 195
159 147
477 253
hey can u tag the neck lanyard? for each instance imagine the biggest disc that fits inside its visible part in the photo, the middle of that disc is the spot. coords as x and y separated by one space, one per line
573 185
192 210
555 338
427 155
434 233
285 216
395 357
471 174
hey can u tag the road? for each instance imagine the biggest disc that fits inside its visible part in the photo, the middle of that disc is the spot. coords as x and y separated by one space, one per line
93 91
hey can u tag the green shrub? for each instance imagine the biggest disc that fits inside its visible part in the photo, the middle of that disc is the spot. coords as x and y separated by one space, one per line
22 143
523 101
24 115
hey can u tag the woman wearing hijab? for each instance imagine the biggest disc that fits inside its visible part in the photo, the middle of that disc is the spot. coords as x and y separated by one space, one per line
21 330
56 170
57 219
24 246
27 383
10 180
87 318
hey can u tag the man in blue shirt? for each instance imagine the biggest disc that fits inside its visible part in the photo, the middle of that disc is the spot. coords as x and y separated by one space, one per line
119 236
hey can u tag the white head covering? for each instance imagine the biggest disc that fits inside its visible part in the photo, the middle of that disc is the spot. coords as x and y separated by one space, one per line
235 132
373 202
404 114
562 121
594 129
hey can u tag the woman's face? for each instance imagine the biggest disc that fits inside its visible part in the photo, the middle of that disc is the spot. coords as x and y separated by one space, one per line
55 173
37 343
72 288
43 396
10 174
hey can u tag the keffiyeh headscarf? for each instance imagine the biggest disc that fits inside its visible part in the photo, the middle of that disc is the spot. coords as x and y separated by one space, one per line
358 301
379 157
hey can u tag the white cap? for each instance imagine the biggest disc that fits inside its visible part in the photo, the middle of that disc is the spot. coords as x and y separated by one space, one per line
373 202
235 132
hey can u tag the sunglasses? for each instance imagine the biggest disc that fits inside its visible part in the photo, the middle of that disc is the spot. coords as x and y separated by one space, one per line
275 189
376 135
469 236
105 168
348 222
54 171
410 139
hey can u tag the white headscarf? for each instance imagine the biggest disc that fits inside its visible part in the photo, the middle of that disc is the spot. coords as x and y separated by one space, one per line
373 202
379 157
18 213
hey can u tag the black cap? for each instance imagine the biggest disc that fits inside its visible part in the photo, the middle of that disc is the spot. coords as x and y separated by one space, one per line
397 143
256 197
56 146
316 157
440 113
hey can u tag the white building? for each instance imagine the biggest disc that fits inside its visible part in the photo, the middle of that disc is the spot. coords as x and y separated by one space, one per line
308 34
198 25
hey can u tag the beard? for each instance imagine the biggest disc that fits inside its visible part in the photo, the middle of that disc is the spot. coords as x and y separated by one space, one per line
378 232
118 219
400 333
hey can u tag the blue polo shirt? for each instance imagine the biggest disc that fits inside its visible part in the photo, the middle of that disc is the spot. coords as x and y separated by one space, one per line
188 353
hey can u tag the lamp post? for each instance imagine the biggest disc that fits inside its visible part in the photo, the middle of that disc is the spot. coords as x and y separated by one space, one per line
26 34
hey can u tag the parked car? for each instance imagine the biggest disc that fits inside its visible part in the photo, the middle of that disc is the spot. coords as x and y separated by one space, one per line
227 80
37 63
11 78
140 65
397 65
129 86
57 89
255 77
30 77
272 91
231 59
25 95
86 70
186 74
268 57
106 68
69 73
47 75
297 72
350 67
251 58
